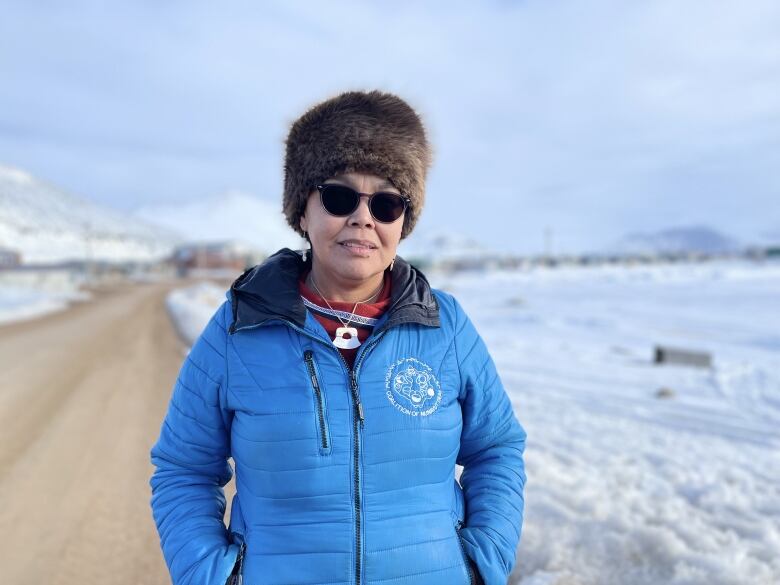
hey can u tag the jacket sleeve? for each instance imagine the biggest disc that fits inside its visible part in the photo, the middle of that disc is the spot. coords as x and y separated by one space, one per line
491 453
190 457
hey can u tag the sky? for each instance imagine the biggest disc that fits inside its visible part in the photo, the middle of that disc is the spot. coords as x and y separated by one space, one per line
584 120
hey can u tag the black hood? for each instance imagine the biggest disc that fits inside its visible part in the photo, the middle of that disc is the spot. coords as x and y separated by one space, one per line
270 291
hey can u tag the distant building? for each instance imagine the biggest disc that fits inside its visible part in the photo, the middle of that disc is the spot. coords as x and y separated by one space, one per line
212 256
9 258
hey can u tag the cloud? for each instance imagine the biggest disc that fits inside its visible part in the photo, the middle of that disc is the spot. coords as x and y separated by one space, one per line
594 118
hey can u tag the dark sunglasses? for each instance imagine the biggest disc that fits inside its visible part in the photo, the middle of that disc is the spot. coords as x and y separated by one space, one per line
340 200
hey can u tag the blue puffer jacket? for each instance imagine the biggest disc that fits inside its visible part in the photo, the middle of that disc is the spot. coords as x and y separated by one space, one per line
343 476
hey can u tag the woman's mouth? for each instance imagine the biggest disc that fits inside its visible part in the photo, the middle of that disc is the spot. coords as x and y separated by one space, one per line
358 248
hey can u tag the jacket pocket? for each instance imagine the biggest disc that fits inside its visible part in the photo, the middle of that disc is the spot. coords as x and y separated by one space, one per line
320 411
466 563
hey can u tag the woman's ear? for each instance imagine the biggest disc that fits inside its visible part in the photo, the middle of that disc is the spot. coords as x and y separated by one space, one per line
302 222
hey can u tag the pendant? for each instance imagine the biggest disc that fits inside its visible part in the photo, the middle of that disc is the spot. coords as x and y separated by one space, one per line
350 342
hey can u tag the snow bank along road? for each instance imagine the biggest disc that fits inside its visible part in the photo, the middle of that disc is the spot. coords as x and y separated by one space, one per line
82 397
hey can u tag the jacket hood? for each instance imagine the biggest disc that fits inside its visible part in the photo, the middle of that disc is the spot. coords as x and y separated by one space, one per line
270 291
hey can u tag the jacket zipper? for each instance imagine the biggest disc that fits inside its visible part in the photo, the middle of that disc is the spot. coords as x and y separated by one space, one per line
357 418
466 562
308 356
359 407
237 576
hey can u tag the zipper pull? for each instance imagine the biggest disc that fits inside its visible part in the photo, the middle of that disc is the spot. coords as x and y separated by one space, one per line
308 358
237 578
358 404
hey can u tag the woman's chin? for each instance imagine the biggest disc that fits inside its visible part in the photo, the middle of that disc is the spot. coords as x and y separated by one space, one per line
359 269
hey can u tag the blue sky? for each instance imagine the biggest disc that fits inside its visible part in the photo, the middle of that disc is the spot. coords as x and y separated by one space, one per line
591 118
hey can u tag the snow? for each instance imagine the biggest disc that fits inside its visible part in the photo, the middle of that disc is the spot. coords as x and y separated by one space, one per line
19 303
191 308
625 487
47 225
234 215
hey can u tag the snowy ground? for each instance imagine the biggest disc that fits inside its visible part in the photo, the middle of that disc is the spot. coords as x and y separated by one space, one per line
624 487
18 303
191 308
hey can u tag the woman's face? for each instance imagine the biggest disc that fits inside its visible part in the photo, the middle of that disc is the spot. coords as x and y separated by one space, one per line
373 243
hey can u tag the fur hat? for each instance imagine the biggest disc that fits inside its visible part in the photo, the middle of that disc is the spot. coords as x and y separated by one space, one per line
373 132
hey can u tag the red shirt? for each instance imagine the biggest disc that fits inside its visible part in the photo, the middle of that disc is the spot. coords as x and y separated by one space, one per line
331 323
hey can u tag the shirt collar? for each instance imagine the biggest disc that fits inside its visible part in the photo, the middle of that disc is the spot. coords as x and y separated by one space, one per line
269 291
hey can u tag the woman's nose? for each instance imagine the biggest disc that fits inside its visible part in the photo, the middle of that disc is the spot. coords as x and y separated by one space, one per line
362 214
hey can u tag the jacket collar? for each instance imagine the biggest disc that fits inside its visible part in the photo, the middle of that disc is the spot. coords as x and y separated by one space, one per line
270 291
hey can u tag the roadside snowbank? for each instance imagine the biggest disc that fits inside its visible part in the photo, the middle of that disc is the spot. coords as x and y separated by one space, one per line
19 303
191 308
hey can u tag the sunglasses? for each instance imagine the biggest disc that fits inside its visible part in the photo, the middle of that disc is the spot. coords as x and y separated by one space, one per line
340 200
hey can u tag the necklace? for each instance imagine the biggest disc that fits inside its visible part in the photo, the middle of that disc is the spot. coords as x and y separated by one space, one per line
341 340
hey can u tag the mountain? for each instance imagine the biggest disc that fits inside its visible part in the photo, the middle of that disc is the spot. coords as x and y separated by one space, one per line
46 224
231 216
697 238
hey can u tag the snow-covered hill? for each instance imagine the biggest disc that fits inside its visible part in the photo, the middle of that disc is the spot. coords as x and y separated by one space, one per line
46 224
697 238
231 216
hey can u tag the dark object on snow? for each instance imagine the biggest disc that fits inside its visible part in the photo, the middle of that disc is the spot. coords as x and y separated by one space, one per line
664 392
668 355
9 258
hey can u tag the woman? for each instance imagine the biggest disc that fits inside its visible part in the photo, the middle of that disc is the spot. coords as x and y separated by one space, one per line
345 389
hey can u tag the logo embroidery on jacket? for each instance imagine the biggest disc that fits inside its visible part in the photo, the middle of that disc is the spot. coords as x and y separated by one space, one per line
412 387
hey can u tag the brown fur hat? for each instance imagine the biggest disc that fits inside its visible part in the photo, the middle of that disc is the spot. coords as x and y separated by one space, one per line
373 132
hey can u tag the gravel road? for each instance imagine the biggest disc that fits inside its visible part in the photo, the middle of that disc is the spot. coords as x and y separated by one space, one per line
82 396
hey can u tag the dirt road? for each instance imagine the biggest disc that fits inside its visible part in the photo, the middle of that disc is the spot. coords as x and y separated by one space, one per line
82 397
